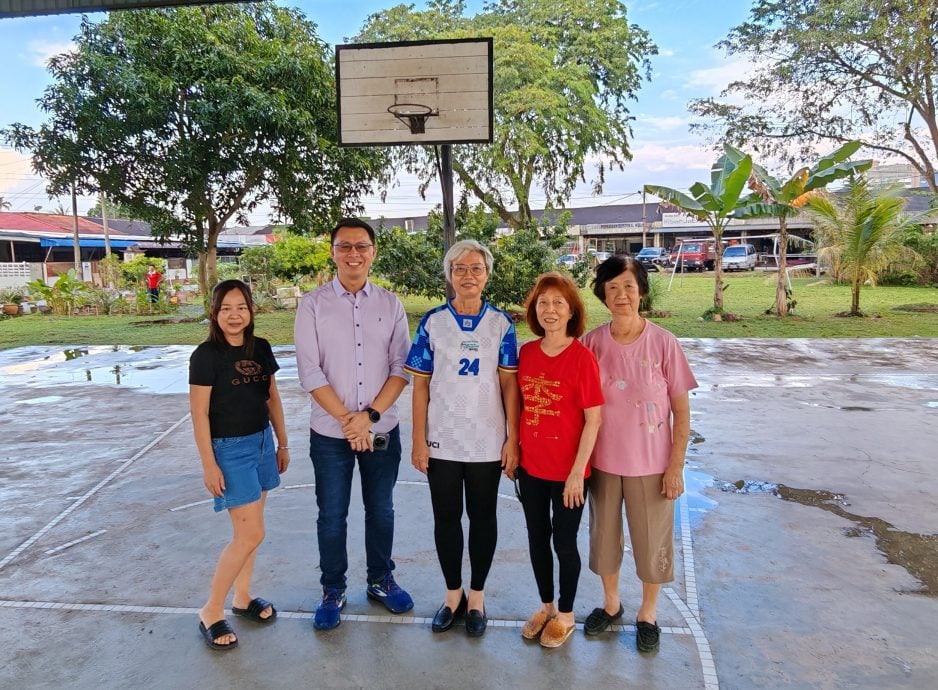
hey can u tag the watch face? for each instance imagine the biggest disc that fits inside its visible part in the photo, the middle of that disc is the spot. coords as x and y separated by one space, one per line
374 415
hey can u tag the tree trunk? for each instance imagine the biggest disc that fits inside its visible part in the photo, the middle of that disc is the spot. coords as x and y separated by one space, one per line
208 266
718 270
855 298
211 253
781 287
203 281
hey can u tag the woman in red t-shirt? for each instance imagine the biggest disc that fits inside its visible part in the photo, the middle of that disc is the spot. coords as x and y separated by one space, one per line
561 399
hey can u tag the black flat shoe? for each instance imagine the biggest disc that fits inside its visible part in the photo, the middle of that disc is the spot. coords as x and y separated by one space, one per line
647 636
599 621
475 623
445 617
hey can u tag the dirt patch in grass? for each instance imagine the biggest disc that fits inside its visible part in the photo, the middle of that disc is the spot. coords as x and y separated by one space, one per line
164 322
920 308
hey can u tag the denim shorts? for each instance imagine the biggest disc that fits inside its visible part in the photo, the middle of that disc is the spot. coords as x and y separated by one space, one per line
249 466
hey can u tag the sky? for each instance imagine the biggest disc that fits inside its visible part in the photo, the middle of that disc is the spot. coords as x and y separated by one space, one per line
688 65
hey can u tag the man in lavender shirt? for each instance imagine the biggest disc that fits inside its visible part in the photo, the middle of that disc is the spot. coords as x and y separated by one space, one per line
351 343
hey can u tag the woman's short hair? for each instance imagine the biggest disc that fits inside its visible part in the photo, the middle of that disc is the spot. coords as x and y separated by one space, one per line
615 266
571 294
215 334
464 247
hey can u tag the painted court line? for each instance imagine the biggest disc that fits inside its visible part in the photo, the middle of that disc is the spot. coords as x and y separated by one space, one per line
298 615
75 541
692 615
687 549
91 492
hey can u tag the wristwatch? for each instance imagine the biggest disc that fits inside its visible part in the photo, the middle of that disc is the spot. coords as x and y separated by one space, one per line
373 415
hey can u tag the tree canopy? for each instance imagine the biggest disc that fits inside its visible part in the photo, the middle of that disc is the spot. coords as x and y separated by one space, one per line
829 71
564 73
190 117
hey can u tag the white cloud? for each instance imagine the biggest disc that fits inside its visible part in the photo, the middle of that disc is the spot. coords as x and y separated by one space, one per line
659 158
40 50
715 79
665 52
661 123
14 167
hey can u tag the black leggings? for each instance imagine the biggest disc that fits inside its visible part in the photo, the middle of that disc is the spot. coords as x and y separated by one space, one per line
448 479
538 497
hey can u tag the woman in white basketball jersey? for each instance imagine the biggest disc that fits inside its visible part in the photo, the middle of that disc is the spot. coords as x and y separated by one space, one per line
464 360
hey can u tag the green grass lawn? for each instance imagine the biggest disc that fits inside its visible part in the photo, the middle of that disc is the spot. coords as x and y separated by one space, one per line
748 296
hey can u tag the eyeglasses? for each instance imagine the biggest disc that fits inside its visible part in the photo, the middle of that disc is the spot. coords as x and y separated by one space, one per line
460 270
345 247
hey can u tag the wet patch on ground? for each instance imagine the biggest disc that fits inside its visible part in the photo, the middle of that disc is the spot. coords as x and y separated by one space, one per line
917 553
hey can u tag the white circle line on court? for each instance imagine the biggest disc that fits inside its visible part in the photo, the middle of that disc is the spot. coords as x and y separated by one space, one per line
297 615
88 494
692 617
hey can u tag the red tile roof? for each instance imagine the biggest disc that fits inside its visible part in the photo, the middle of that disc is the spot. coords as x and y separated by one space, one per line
48 222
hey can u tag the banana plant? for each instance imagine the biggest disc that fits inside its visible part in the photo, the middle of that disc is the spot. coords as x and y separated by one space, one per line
716 203
783 199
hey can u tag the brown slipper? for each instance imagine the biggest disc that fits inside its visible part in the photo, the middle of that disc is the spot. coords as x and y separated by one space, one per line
556 633
532 629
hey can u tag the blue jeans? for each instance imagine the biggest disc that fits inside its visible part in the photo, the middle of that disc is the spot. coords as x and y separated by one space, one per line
334 461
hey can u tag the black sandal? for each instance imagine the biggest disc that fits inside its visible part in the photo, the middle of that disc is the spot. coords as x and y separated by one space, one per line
216 630
255 609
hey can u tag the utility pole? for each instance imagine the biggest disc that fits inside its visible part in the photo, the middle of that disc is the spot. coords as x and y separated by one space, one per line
644 222
77 243
107 235
449 220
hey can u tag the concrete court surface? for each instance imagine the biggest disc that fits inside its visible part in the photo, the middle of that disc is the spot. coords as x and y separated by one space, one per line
107 541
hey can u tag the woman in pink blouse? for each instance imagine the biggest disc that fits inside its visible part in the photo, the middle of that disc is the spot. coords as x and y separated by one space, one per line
639 455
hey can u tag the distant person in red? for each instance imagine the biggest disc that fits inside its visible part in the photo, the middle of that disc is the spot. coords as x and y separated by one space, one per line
153 278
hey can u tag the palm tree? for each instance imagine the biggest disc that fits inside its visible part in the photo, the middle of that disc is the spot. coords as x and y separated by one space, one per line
714 204
784 199
860 232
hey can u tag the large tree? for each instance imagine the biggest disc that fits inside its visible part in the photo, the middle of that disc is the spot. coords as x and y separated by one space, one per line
191 117
564 73
829 71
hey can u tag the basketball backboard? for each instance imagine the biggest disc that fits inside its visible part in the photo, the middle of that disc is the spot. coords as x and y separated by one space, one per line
415 92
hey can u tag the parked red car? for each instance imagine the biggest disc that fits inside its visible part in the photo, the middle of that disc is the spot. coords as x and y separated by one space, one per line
696 255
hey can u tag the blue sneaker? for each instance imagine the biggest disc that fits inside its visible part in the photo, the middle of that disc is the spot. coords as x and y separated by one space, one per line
387 591
327 613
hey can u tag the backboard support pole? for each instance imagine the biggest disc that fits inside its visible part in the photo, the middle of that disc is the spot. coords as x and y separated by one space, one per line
449 214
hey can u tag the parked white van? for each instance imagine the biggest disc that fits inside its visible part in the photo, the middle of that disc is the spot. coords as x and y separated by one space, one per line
739 257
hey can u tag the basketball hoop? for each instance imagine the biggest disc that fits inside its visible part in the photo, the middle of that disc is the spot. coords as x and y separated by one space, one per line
414 115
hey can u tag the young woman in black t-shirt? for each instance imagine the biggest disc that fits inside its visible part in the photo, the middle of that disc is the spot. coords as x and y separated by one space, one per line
234 402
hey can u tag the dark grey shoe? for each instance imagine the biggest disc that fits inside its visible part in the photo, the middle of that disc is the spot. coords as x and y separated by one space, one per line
599 621
647 636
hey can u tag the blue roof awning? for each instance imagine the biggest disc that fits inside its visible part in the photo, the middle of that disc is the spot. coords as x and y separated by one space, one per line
89 242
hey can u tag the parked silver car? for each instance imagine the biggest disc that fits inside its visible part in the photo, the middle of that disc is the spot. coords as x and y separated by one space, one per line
739 257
